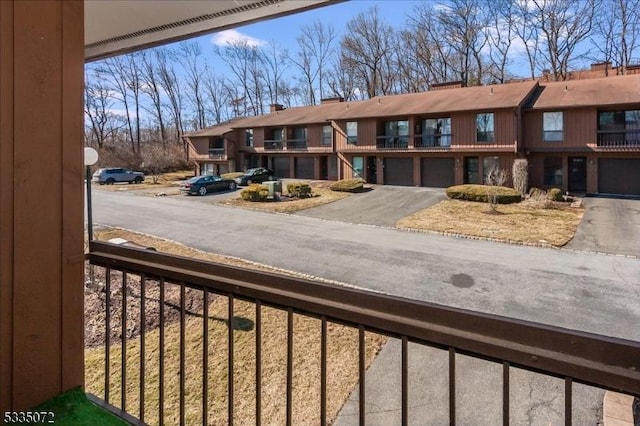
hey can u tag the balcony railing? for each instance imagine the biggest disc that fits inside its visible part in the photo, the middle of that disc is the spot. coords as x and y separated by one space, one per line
612 139
432 141
273 145
296 144
392 142
216 153
139 283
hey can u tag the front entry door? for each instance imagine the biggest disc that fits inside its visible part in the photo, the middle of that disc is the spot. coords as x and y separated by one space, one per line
578 174
372 176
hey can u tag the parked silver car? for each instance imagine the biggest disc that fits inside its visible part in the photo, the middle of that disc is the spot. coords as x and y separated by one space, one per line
111 175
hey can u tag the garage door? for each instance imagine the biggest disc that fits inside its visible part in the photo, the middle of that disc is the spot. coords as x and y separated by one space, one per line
619 176
304 167
438 172
398 171
281 167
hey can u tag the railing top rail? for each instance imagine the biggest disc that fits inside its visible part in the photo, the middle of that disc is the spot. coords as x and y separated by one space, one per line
603 361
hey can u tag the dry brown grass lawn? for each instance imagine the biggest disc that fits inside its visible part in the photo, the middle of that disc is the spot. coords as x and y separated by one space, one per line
514 222
342 360
320 196
166 180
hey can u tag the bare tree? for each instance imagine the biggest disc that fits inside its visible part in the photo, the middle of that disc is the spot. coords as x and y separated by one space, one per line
151 88
274 61
495 178
564 24
526 26
172 88
194 66
616 32
98 105
500 35
342 82
367 50
217 97
242 60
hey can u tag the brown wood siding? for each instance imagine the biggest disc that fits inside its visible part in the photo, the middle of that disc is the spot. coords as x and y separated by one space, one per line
463 129
314 135
367 132
200 145
580 129
258 138
41 307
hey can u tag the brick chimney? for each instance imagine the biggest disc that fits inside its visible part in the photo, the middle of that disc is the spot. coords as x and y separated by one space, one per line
447 85
334 100
276 107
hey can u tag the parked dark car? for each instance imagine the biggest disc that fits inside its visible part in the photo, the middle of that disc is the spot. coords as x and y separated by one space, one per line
112 175
201 185
257 175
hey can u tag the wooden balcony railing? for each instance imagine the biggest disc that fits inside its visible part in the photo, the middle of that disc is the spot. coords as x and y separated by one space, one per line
275 145
442 141
616 140
295 144
144 282
216 153
392 142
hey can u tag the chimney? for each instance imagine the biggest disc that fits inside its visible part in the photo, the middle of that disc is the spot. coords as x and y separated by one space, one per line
601 66
334 100
276 107
447 85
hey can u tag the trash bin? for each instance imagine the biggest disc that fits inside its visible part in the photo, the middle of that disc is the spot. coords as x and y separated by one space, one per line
275 189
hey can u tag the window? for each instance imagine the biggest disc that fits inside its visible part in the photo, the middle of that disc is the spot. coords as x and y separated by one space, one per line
249 137
352 132
552 125
436 132
619 128
484 127
489 163
553 171
327 135
471 170
396 135
358 167
300 133
277 134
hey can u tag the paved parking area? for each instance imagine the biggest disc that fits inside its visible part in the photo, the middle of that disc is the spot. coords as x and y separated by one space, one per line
382 205
609 226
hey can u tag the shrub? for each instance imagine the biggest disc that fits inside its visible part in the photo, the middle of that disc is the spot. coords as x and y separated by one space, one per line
299 190
255 192
348 185
479 193
520 175
555 194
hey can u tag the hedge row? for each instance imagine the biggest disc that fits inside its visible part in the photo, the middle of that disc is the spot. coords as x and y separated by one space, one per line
348 185
480 193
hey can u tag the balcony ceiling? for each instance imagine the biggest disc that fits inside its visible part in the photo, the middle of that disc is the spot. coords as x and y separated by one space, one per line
114 27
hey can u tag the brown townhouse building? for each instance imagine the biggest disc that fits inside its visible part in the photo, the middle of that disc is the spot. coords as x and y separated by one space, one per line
582 136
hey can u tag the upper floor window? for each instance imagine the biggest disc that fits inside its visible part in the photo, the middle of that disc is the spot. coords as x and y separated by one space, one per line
277 134
352 132
484 127
327 135
436 132
299 133
216 143
396 128
619 128
249 137
552 126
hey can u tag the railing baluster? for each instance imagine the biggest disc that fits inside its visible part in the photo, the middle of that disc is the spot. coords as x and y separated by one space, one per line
182 349
161 360
230 361
107 336
323 371
505 393
452 386
405 382
258 362
289 366
143 319
205 357
361 371
123 366
568 401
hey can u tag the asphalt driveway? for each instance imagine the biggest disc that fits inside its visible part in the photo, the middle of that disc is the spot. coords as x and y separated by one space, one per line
609 225
383 205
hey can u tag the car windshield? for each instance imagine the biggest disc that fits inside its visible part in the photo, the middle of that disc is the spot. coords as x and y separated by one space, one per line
252 171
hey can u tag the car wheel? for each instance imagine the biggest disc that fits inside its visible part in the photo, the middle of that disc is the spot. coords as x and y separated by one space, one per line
138 179
249 182
202 190
232 186
110 181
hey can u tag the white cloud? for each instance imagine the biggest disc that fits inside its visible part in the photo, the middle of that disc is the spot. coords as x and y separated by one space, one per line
224 38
